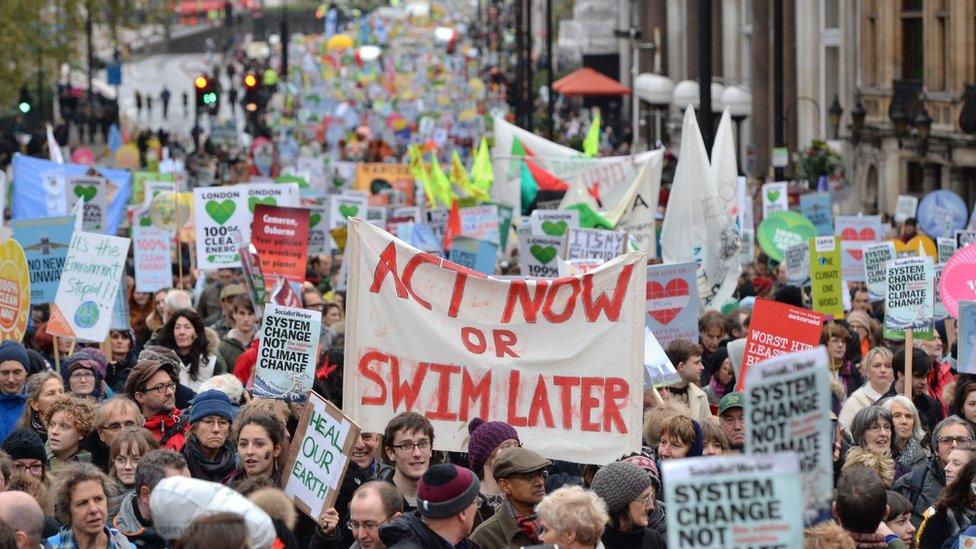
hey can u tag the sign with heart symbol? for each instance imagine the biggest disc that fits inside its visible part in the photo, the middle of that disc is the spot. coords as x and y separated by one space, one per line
775 197
553 222
856 232
538 255
344 206
672 302
93 191
220 211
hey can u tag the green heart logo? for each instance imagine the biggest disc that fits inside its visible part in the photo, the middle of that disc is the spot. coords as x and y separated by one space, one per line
268 200
772 195
86 192
348 210
543 254
314 219
554 229
780 230
146 221
338 182
220 211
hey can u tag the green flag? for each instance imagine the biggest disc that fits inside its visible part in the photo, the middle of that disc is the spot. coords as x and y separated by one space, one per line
591 145
590 218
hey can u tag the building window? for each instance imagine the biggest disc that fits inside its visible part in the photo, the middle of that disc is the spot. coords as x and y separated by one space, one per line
916 179
830 67
869 44
912 41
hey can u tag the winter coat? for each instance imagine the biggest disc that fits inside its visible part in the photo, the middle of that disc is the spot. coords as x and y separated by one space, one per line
410 532
65 539
355 477
642 538
501 530
130 523
922 487
230 348
11 408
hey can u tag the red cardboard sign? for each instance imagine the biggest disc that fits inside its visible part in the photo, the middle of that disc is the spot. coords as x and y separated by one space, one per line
777 329
280 236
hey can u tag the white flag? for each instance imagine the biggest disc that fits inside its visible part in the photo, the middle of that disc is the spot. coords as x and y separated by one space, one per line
725 268
53 147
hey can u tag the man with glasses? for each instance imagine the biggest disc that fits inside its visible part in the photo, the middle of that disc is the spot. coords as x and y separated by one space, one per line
152 384
521 476
925 482
408 444
13 385
27 453
111 416
373 504
733 421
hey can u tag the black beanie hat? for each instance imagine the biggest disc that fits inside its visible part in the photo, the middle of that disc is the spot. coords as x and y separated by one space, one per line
25 444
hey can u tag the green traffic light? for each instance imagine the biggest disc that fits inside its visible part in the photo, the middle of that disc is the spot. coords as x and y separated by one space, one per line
24 107
209 98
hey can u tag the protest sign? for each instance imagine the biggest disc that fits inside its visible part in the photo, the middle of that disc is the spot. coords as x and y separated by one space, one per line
855 232
120 310
941 212
876 258
780 230
775 198
964 238
317 461
152 258
287 352
595 244
473 253
827 287
15 291
788 409
93 190
777 329
939 311
816 208
281 235
90 279
437 220
658 370
796 260
387 184
252 277
957 282
45 242
747 250
538 255
376 215
905 208
733 501
318 232
967 338
505 216
481 222
553 222
343 206
556 359
672 302
219 213
413 212
909 300
946 247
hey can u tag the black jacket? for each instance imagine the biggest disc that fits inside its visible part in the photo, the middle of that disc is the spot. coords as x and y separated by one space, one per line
643 538
409 532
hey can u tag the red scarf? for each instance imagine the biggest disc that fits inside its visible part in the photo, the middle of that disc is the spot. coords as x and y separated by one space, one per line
159 423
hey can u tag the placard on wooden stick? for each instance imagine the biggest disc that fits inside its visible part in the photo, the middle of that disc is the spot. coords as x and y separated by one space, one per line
318 457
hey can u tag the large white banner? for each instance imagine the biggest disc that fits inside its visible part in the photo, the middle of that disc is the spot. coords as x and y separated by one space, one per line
561 359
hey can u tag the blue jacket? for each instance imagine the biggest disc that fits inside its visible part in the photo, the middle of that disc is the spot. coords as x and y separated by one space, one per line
65 539
11 408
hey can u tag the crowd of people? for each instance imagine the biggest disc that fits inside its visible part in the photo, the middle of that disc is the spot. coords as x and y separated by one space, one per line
89 433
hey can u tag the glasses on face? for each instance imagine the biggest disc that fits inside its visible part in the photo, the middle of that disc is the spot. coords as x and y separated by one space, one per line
82 374
122 461
530 477
115 425
162 387
733 420
945 441
34 469
211 422
369 526
408 447
649 500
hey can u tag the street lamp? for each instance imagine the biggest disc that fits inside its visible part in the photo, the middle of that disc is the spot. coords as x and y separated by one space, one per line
657 91
739 102
858 114
900 120
834 113
923 125
685 94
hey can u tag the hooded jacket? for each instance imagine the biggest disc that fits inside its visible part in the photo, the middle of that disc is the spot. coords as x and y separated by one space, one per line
11 408
230 348
409 532
129 522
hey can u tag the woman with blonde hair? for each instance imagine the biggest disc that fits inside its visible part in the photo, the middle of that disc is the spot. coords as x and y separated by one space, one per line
43 388
876 368
572 518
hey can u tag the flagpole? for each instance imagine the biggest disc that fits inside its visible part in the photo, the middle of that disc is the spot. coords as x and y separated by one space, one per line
909 344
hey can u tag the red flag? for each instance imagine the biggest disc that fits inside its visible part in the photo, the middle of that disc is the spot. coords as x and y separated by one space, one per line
453 227
545 180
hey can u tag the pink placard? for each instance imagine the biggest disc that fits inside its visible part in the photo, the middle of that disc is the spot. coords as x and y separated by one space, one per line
958 282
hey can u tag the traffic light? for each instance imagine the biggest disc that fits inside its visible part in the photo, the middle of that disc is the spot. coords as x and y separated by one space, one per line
251 91
25 104
207 96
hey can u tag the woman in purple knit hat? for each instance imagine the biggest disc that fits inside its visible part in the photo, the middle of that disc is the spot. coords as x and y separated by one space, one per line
486 439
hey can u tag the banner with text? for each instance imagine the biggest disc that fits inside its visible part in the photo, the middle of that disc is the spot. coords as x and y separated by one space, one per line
778 329
287 353
558 359
152 257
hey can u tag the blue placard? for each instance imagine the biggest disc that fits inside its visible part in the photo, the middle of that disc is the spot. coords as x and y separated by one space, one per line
475 254
45 241
816 208
941 213
967 337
